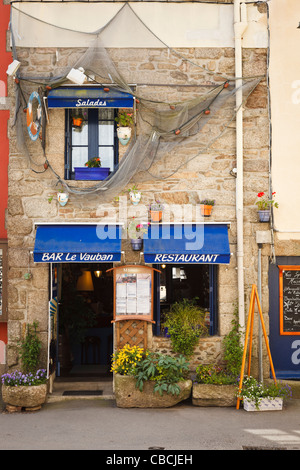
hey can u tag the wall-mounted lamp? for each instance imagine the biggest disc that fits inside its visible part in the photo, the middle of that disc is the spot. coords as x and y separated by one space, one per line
85 281
97 273
77 76
13 68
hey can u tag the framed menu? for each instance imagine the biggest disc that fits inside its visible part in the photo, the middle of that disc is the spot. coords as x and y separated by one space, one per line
133 292
289 300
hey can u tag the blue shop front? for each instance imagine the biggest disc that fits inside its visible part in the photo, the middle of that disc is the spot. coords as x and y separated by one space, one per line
83 259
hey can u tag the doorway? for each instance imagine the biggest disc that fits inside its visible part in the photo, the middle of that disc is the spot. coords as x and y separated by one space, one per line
85 332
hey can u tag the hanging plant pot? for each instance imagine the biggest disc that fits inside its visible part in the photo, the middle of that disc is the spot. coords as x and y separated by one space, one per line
135 197
62 198
96 173
136 244
264 216
156 216
77 122
124 135
205 210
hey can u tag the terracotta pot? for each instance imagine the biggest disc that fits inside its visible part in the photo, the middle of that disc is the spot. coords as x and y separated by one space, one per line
205 210
156 216
77 122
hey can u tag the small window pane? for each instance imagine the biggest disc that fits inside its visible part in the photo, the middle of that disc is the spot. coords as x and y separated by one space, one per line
80 136
106 155
79 156
106 133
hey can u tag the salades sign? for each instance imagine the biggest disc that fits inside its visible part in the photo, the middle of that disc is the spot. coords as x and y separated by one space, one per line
88 97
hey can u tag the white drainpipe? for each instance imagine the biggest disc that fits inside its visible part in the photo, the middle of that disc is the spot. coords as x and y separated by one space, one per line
240 24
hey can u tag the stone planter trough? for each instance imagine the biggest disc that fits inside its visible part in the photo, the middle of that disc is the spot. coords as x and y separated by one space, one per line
128 396
214 395
28 397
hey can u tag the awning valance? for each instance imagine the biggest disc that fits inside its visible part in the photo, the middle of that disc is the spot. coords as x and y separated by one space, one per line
88 97
91 243
187 243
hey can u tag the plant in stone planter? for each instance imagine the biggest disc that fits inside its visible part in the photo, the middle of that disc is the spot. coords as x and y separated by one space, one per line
186 323
264 205
166 371
257 396
216 385
145 379
206 206
27 388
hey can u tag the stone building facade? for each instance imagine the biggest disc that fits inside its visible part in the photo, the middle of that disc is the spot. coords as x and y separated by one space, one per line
209 175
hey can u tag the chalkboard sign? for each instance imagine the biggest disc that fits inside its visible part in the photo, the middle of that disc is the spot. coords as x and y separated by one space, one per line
289 293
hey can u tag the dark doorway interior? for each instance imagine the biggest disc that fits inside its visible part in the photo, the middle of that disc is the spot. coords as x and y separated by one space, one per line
85 315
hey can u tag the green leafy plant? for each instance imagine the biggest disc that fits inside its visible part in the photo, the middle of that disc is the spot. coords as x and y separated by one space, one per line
255 391
166 371
30 349
93 163
233 348
136 229
185 323
214 375
124 118
233 355
264 202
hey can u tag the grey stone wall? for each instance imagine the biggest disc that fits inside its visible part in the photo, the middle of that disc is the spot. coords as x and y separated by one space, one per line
207 175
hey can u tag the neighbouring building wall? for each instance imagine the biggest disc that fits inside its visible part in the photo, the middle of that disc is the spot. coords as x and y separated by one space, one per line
209 175
5 59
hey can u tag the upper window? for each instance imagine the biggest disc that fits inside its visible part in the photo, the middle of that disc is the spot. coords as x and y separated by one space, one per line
90 133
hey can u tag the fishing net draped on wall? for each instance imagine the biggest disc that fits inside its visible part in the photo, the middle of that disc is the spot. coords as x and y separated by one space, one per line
163 125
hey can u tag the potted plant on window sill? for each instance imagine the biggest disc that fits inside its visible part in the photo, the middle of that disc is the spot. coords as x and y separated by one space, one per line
156 211
264 205
186 324
124 121
136 230
92 170
27 388
206 207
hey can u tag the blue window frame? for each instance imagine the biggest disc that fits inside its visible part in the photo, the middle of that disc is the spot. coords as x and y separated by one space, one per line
90 133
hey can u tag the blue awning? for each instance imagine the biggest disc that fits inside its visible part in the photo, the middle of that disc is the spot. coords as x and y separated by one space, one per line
187 243
88 97
64 243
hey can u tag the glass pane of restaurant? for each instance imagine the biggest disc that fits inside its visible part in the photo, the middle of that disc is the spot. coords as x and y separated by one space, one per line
178 282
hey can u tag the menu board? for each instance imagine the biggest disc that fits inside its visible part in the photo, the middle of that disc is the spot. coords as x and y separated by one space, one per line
289 292
133 286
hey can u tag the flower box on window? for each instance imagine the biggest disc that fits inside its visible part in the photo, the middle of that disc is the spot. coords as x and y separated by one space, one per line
85 173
